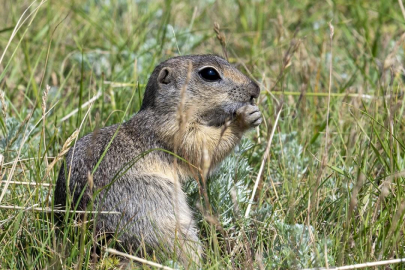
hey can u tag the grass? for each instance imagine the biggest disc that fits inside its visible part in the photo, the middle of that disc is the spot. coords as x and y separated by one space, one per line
331 192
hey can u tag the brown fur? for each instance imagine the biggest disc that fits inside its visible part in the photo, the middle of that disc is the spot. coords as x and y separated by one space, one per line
200 120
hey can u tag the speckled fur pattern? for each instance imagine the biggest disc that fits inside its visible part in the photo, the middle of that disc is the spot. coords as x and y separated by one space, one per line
218 113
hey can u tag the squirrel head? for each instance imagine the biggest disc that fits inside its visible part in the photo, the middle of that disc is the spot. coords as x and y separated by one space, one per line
207 84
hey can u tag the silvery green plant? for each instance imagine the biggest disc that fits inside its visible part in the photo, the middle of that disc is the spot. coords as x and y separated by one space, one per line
232 176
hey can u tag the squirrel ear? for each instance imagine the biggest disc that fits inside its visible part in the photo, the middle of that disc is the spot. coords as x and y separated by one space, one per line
165 75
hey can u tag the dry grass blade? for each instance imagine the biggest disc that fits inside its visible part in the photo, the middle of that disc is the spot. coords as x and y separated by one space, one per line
43 105
391 57
332 30
89 102
324 160
3 105
182 119
44 97
23 160
116 252
18 26
65 149
361 265
339 95
25 183
50 210
13 216
402 7
1 166
221 38
265 156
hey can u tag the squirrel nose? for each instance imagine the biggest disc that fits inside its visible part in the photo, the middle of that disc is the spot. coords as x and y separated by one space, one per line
253 90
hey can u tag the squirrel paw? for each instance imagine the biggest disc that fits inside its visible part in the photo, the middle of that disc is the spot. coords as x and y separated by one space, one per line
249 116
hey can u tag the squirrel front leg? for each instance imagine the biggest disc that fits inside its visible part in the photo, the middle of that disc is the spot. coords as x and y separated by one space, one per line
247 117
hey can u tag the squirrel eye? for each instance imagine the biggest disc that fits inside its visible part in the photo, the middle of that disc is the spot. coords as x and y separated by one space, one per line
209 74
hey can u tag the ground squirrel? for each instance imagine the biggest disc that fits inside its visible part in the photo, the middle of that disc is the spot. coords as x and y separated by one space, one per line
198 106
